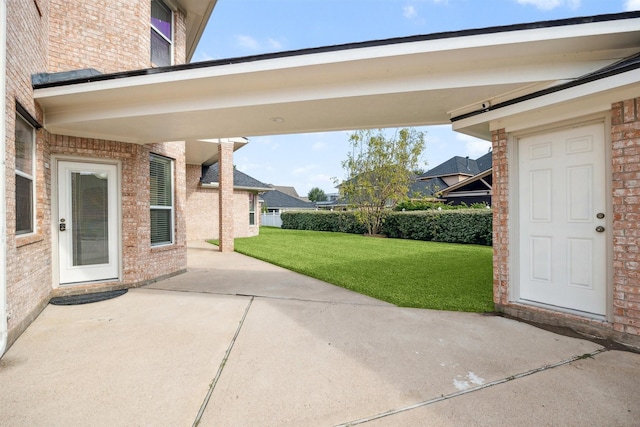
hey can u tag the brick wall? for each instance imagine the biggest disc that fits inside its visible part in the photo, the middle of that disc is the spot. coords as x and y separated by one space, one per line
109 36
225 207
202 210
625 138
28 257
500 209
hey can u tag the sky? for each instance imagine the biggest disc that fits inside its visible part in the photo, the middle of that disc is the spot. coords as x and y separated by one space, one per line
249 27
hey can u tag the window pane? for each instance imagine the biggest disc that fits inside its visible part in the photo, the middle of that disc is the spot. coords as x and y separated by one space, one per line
24 146
160 169
161 18
90 218
161 226
24 205
160 50
252 218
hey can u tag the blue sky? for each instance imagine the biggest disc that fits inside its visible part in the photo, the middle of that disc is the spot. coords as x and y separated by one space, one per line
249 27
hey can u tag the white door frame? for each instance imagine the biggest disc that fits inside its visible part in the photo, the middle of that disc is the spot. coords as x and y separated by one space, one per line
514 210
55 243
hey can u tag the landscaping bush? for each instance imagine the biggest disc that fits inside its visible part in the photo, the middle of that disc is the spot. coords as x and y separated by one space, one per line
425 205
453 226
341 222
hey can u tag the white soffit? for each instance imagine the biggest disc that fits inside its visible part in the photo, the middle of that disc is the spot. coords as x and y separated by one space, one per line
387 85
205 152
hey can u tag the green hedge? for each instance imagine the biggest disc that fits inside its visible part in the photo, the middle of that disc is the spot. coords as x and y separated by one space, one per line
340 221
452 226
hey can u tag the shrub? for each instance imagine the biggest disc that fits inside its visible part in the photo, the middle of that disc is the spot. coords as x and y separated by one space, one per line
425 205
452 226
342 222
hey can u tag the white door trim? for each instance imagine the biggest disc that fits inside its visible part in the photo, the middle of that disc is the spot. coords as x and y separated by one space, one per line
514 211
55 243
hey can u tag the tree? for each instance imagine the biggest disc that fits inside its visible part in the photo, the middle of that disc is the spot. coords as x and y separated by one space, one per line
317 195
379 170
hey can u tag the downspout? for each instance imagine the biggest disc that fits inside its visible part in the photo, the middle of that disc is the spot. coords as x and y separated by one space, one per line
4 333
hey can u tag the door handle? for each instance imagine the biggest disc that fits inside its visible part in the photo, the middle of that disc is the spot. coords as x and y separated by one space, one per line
63 225
600 229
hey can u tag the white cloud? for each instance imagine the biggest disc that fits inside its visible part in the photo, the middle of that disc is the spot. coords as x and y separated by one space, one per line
274 44
551 4
319 146
474 147
632 5
247 42
251 43
409 12
304 169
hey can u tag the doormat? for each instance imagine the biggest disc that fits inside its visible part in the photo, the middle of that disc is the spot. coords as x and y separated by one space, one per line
87 298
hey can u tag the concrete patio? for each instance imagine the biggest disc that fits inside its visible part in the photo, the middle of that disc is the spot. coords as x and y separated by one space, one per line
238 342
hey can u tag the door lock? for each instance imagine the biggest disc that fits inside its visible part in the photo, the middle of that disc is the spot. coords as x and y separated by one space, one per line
600 215
63 226
600 229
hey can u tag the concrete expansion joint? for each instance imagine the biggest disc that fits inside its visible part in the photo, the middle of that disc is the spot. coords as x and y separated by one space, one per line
474 389
212 386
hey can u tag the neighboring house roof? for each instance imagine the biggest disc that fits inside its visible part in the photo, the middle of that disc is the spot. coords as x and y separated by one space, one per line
425 188
454 166
276 199
291 191
485 162
481 182
241 181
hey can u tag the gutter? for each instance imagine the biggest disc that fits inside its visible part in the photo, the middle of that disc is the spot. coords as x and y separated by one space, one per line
4 333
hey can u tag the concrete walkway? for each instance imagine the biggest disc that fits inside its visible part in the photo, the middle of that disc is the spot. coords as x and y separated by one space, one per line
237 342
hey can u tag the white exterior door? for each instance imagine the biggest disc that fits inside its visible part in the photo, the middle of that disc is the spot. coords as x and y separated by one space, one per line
563 209
87 222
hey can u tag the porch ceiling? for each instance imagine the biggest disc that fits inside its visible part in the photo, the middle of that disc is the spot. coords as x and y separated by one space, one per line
400 82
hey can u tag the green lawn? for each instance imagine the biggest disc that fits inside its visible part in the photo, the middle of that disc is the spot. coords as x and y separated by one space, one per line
407 273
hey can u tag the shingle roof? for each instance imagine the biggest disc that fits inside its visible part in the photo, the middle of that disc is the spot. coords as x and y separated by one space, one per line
427 187
277 200
291 191
240 180
485 162
454 166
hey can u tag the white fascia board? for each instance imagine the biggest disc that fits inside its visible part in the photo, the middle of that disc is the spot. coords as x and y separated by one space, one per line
582 100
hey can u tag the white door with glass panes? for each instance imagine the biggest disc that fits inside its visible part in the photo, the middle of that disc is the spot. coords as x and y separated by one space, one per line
87 222
563 218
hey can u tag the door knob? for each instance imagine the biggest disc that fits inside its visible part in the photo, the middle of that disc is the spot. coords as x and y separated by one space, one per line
63 225
600 229
600 215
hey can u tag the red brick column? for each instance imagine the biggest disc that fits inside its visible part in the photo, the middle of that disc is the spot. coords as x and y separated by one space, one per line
625 138
225 179
500 208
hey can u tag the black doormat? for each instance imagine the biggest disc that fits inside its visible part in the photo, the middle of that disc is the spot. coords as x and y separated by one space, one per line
87 298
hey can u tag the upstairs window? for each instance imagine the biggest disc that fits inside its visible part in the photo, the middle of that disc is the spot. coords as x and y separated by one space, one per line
161 200
161 33
25 176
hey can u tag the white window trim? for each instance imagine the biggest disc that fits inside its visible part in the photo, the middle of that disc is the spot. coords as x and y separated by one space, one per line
31 177
173 36
171 208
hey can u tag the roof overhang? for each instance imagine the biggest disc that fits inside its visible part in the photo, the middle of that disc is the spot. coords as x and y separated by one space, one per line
479 177
197 14
422 80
